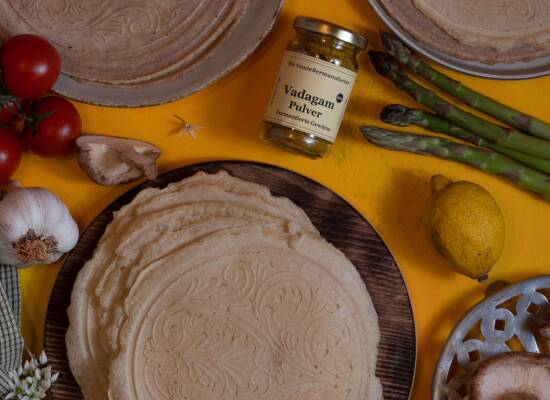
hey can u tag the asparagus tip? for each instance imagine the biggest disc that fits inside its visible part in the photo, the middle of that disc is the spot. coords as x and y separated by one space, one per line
395 47
383 63
385 36
373 133
386 139
396 114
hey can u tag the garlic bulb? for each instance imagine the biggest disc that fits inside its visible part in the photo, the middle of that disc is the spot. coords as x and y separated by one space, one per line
35 227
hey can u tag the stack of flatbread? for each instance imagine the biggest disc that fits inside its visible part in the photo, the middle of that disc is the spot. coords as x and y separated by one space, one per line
125 42
212 288
490 31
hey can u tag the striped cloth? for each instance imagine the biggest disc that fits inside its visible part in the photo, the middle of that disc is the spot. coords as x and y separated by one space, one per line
11 342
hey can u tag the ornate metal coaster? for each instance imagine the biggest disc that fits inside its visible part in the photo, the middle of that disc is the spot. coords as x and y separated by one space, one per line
505 321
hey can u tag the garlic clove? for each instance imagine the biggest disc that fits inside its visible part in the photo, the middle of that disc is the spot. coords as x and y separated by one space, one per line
112 161
35 227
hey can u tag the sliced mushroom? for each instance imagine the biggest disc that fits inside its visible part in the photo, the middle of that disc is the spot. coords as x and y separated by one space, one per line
111 161
512 376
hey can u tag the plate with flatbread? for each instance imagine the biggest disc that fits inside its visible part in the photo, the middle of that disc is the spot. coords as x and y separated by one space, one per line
231 280
492 39
134 53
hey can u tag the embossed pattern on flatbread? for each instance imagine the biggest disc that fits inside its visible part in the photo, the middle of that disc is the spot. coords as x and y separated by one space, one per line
226 239
248 316
128 42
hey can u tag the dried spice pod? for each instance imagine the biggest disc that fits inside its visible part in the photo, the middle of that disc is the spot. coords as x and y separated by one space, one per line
111 161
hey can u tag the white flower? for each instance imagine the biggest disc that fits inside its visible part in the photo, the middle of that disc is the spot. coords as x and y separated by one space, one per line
32 380
42 358
187 129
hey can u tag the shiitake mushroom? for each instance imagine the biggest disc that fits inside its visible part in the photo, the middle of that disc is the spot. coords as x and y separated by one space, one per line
512 376
109 160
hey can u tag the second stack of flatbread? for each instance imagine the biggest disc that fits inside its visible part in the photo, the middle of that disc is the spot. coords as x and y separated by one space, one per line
212 288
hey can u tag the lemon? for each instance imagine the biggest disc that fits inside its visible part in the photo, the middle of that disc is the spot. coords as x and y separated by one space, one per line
466 226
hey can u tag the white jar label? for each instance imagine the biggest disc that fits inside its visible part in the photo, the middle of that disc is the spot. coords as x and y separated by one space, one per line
310 95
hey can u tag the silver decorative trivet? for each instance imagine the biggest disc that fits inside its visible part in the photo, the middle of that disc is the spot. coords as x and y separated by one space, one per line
506 317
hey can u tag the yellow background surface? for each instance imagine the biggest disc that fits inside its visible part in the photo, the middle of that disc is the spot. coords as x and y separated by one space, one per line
390 189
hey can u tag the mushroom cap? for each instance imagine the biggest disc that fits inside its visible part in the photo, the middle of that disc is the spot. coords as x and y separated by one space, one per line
109 160
512 376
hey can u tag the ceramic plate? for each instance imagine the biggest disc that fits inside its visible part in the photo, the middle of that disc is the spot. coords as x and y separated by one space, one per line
251 29
518 70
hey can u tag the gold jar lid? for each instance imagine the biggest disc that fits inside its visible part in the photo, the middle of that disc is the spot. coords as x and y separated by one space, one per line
328 28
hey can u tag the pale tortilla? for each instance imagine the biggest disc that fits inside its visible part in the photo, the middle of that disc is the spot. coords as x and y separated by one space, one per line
502 25
125 41
199 197
158 227
249 315
487 31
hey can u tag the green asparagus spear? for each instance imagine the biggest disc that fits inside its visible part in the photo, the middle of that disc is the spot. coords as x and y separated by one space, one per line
513 139
515 118
397 114
483 159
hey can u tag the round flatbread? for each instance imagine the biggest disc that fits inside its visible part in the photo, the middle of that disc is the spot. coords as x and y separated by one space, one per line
249 315
125 41
151 240
156 223
487 31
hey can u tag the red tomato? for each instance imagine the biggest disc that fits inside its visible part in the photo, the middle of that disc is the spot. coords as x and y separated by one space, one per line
30 65
10 153
52 127
8 111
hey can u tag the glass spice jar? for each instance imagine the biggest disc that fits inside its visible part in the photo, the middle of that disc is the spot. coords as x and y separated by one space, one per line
315 80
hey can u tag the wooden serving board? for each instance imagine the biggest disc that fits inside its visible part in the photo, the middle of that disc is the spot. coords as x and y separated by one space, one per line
336 220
